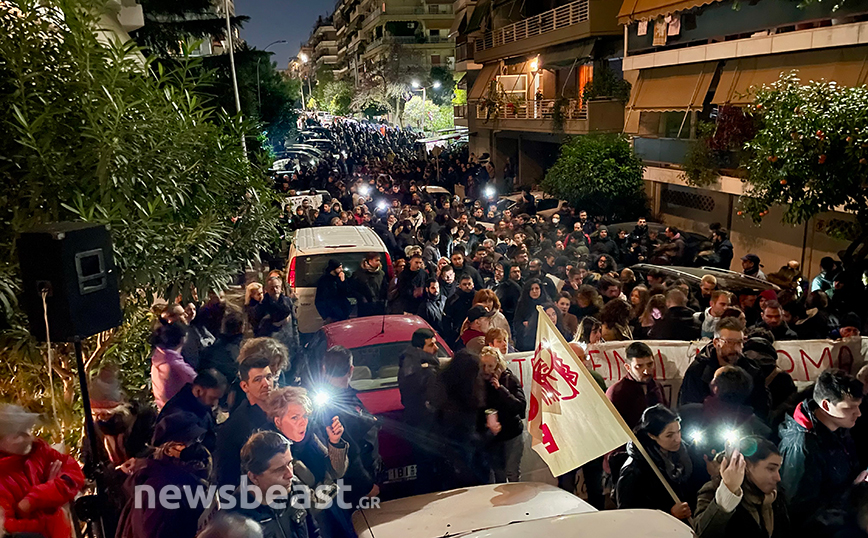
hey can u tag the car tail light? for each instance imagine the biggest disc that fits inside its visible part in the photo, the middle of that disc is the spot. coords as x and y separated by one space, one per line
290 277
389 269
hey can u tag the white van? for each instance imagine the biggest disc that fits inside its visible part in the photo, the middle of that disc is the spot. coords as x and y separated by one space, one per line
309 255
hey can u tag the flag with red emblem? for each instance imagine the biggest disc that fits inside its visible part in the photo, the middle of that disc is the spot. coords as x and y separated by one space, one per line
571 420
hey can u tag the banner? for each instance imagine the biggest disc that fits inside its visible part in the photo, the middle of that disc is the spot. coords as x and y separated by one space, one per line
570 420
802 359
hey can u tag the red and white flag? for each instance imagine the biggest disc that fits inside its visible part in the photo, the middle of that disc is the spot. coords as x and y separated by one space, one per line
571 420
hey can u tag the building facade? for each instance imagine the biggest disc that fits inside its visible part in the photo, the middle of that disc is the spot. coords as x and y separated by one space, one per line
695 63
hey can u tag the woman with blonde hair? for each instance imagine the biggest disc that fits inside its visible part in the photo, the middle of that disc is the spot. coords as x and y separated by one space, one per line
505 405
252 298
317 463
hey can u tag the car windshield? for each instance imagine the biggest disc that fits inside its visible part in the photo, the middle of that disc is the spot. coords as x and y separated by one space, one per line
376 366
546 203
309 269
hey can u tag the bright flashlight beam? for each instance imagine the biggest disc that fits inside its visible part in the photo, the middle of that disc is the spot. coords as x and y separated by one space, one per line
364 190
730 436
382 204
697 437
489 192
321 398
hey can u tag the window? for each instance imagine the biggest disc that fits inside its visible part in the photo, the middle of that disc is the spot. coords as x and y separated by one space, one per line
377 367
435 59
309 269
512 83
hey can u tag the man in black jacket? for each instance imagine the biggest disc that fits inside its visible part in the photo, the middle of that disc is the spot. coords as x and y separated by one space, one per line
332 292
433 306
370 285
199 399
772 320
411 286
417 374
820 459
722 248
724 350
455 311
459 263
678 323
257 382
222 355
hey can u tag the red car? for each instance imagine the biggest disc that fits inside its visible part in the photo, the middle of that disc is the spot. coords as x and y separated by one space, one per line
377 342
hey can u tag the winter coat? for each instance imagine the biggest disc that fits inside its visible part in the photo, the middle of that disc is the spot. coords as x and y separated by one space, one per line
725 253
26 477
332 298
416 376
677 324
283 520
695 385
638 485
272 311
158 521
631 398
370 288
706 322
508 292
819 464
455 312
782 332
510 402
473 340
184 401
467 269
750 517
169 374
223 356
779 383
411 290
431 310
199 339
231 436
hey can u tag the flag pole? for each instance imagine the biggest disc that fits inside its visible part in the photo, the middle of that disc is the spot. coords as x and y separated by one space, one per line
545 318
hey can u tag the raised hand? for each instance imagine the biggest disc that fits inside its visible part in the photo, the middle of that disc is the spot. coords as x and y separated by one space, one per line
335 430
732 471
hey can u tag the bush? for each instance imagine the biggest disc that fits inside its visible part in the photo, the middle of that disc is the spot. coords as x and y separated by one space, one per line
600 174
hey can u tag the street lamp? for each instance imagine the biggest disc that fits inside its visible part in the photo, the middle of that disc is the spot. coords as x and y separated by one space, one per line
258 95
303 57
417 86
232 67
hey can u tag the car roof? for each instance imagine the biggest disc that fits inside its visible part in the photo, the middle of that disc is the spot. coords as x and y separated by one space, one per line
334 238
727 280
461 511
373 330
605 524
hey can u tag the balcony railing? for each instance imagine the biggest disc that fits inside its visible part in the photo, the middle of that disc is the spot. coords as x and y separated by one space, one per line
543 109
459 111
463 52
548 21
409 40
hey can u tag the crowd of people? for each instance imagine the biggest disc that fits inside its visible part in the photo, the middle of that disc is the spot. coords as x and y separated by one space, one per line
234 391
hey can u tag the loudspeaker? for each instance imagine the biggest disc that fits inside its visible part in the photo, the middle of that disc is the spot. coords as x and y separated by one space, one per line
74 262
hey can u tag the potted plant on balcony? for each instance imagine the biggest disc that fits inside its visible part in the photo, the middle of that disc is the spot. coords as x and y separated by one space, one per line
717 146
606 85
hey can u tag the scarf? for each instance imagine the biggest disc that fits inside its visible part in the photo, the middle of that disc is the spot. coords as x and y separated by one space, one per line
759 505
676 466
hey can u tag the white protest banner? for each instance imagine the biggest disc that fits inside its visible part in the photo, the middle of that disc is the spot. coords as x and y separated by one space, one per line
802 359
570 419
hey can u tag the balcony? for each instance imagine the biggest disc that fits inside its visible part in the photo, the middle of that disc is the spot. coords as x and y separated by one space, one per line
577 20
662 150
459 111
538 116
408 40
433 11
463 52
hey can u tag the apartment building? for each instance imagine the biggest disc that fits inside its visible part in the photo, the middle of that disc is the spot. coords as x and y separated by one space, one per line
361 33
693 61
527 65
323 45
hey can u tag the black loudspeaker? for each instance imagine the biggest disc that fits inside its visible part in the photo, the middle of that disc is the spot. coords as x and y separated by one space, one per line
74 262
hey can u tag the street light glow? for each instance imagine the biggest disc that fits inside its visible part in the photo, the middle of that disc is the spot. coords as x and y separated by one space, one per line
436 84
415 83
303 58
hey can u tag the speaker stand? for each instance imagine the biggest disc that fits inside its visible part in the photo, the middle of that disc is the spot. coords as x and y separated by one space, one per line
90 430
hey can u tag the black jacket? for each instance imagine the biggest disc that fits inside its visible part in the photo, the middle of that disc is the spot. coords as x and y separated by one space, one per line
638 485
508 292
231 436
416 376
370 289
281 521
819 464
184 401
724 253
332 301
695 384
467 269
409 284
455 312
780 384
431 310
510 402
782 332
223 356
677 324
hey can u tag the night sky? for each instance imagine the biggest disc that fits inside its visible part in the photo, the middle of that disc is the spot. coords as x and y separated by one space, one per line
271 20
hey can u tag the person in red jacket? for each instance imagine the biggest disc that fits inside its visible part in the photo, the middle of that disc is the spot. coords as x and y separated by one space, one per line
35 480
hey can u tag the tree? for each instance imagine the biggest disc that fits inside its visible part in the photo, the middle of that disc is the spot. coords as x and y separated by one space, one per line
810 153
385 85
600 174
169 24
92 134
420 113
335 96
443 94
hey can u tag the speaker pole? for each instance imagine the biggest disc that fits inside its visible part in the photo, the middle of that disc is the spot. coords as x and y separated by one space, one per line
90 430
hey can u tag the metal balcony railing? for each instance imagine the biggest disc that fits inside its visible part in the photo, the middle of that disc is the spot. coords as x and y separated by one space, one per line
463 52
543 109
548 21
459 111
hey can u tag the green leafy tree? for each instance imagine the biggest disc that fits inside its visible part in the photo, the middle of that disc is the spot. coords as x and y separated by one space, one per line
384 85
601 174
169 24
810 153
93 134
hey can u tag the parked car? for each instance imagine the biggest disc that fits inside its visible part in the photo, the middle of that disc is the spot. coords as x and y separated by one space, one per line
377 342
545 205
605 524
726 280
463 511
309 254
694 242
319 132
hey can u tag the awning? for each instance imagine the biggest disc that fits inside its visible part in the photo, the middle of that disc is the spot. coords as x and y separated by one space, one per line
482 81
632 10
846 66
474 23
458 25
678 87
566 56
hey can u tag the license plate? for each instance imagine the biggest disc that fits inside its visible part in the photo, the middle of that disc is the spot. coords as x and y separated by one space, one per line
401 474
